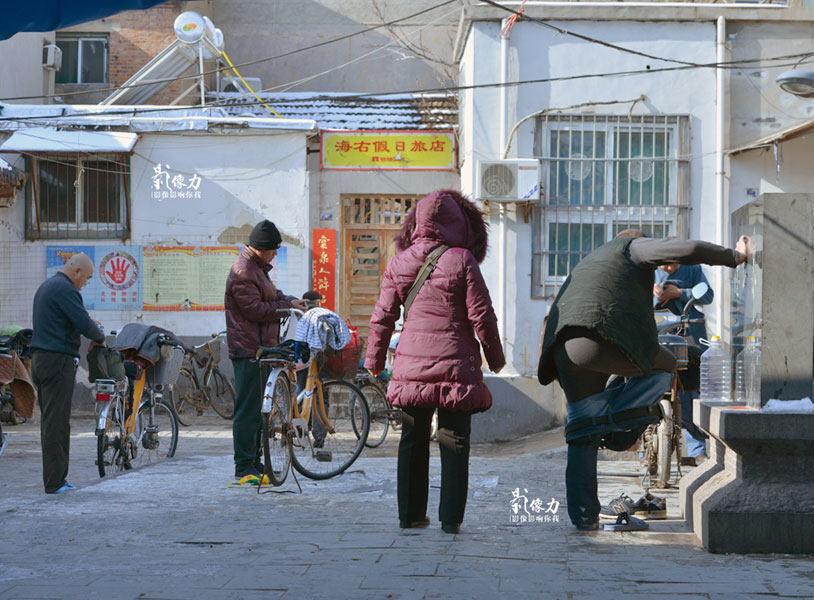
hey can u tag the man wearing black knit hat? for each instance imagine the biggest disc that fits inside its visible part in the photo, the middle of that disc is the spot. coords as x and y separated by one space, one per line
252 320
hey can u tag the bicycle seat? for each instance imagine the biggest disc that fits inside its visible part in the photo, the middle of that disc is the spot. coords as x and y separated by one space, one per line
289 350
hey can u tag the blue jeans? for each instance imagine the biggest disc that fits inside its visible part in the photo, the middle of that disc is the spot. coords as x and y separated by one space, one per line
694 445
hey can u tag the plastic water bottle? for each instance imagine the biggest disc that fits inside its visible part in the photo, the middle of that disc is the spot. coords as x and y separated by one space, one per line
716 372
751 372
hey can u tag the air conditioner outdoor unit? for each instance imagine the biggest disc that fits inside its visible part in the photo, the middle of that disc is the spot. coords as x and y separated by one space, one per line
233 84
52 57
511 180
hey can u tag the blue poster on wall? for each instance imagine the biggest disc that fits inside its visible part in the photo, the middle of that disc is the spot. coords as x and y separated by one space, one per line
57 256
117 275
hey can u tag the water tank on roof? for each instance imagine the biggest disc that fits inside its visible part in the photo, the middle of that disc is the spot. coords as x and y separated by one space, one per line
192 29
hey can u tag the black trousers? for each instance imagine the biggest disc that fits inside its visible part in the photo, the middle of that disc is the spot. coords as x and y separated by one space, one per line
414 463
53 374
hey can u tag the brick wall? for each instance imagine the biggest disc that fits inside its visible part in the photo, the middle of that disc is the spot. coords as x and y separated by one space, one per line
136 36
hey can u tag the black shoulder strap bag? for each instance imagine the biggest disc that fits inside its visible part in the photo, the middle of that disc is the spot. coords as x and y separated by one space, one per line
423 274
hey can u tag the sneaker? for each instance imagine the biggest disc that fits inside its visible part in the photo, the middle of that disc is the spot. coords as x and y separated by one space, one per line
241 473
588 526
622 504
656 508
424 522
64 488
624 522
260 466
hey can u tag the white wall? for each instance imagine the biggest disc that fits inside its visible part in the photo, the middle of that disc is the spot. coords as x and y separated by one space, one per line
537 53
245 177
757 172
21 71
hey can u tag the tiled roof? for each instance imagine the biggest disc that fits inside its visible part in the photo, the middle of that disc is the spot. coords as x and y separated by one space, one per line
345 111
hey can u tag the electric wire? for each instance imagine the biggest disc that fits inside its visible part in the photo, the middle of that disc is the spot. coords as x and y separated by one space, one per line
242 64
229 102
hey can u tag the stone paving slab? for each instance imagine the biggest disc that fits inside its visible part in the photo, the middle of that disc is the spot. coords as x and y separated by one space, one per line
177 530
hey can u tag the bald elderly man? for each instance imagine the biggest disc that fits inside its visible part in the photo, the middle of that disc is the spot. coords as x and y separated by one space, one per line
59 319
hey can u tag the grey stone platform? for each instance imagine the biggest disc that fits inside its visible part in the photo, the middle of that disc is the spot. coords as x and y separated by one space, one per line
755 494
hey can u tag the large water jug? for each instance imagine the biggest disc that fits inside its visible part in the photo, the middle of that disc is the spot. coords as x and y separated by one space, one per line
716 372
751 372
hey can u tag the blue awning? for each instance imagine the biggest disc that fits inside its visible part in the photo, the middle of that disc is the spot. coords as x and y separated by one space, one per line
50 15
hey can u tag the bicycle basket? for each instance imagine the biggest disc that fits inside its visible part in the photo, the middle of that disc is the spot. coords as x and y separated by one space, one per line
343 364
166 370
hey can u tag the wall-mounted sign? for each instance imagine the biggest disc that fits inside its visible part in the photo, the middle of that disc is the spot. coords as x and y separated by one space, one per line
324 268
388 150
186 277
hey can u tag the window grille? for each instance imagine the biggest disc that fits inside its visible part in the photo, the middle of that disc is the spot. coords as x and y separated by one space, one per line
377 210
84 59
603 174
78 197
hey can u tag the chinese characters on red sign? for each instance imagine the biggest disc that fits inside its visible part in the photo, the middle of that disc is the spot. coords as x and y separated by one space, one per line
324 268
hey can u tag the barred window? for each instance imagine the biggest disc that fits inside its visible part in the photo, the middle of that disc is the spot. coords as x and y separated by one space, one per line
603 174
77 197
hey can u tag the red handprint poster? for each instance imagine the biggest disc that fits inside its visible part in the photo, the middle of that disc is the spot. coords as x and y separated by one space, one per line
119 271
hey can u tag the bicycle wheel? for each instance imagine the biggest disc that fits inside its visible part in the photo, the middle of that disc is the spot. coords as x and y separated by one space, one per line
664 449
109 457
379 414
186 399
320 454
222 395
156 433
276 441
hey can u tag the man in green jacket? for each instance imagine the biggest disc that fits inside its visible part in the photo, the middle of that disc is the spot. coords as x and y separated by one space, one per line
601 324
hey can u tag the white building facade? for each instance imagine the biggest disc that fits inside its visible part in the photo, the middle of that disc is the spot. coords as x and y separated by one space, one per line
619 113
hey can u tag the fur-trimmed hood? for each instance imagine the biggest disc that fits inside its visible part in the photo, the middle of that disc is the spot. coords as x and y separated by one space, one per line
449 217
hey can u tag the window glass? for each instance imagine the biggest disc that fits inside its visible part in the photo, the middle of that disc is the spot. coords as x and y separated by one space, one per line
575 177
101 201
57 193
70 59
568 243
93 61
644 181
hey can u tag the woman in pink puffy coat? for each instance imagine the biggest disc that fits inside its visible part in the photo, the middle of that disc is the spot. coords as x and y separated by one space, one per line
438 360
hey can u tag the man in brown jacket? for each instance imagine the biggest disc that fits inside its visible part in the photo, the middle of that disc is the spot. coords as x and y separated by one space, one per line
252 320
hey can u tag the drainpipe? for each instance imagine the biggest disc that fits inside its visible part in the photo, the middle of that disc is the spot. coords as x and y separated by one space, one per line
721 202
501 235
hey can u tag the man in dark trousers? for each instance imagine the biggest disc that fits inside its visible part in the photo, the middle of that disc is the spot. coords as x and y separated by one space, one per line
601 324
59 319
252 320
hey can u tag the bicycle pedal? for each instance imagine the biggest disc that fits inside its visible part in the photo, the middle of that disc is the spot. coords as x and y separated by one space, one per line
323 455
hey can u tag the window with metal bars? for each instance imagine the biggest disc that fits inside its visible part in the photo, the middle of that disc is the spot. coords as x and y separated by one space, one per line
78 197
603 174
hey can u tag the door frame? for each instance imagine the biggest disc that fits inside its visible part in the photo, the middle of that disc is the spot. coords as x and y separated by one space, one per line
382 217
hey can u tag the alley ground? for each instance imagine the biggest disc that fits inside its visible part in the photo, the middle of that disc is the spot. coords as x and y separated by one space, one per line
178 530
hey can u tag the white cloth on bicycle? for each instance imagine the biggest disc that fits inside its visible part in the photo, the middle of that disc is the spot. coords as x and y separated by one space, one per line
322 328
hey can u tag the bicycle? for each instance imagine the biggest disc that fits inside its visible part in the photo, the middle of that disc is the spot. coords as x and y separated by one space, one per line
128 438
383 415
197 389
660 440
323 431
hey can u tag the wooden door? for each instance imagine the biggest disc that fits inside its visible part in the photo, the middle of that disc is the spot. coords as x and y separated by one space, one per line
370 225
